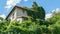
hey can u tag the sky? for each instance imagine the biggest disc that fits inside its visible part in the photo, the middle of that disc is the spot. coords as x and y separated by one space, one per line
7 5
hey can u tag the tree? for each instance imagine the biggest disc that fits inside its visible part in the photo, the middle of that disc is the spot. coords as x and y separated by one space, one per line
54 28
1 18
39 12
55 17
36 12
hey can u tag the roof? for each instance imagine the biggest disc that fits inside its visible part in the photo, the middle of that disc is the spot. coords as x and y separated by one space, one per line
14 9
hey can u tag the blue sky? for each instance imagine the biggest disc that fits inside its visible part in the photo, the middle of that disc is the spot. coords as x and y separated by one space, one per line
7 5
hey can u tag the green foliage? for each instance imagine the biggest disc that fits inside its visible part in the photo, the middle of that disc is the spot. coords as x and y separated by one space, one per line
35 24
1 18
54 27
37 12
26 27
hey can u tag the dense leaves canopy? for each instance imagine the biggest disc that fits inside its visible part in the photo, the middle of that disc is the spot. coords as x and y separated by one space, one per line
34 25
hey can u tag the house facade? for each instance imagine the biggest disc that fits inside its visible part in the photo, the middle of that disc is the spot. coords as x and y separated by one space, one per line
17 13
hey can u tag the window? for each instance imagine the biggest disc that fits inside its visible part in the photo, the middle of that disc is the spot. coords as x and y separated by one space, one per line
25 18
13 16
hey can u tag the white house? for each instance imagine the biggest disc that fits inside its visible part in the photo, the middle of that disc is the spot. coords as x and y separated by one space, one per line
17 13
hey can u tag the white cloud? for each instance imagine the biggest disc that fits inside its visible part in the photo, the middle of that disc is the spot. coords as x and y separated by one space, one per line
3 16
11 3
25 0
57 10
48 15
53 11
